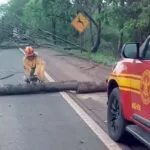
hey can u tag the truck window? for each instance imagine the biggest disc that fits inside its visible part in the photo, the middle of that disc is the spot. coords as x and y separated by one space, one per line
146 54
130 51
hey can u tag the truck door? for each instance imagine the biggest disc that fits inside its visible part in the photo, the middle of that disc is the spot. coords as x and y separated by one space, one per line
141 99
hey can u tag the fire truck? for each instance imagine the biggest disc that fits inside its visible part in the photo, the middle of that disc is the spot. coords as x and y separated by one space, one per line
128 89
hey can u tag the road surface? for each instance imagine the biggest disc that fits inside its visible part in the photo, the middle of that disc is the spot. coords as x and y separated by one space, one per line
94 104
36 122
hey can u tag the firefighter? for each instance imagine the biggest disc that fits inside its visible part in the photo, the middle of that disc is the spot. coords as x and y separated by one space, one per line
34 66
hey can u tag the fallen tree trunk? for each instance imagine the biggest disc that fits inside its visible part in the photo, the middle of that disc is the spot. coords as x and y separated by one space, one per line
79 87
89 87
12 46
60 86
38 88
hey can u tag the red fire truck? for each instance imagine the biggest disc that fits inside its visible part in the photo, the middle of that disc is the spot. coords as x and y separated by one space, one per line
129 94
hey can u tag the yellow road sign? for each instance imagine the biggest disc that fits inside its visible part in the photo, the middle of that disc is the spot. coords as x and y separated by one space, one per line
80 22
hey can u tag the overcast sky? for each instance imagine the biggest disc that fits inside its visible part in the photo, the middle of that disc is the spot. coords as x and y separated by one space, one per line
3 1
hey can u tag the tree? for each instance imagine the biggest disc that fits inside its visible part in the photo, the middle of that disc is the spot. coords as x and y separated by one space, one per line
112 22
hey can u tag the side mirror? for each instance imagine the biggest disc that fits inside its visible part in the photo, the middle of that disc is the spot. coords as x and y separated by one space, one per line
131 50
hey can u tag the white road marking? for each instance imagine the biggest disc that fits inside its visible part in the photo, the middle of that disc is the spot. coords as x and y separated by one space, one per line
22 50
109 143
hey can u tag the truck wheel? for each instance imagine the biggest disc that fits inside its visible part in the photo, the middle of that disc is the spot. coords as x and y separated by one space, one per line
115 119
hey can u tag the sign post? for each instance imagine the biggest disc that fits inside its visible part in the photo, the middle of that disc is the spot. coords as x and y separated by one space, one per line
80 23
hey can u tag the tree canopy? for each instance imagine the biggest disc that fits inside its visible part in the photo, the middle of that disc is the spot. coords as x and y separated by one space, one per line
112 22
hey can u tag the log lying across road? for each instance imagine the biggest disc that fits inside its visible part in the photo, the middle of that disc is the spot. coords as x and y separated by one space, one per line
91 87
48 87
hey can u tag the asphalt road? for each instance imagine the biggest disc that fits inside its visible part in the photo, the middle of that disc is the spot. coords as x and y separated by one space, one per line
95 103
39 122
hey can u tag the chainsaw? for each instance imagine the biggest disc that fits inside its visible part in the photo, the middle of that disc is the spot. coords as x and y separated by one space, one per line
33 79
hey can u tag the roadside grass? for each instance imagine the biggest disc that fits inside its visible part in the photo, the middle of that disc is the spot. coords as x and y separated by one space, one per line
100 57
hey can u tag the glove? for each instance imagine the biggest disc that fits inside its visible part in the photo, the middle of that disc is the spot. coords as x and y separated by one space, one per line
26 79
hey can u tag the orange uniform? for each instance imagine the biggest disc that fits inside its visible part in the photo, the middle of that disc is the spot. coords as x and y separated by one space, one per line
37 64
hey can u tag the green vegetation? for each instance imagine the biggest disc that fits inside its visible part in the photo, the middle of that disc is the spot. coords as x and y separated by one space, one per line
99 57
112 22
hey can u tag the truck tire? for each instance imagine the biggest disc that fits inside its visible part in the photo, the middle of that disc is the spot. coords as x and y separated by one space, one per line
115 118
